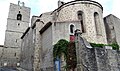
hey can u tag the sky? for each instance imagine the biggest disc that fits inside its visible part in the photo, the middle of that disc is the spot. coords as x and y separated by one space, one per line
41 6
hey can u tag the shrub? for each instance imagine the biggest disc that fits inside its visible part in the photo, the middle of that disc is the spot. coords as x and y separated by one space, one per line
114 46
59 48
96 45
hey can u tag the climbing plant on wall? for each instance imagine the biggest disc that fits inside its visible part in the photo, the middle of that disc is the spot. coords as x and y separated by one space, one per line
60 48
69 51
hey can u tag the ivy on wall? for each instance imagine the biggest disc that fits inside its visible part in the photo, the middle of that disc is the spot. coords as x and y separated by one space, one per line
69 51
60 48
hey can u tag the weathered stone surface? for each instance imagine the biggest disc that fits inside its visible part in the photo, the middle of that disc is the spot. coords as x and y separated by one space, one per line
68 13
112 24
98 59
48 28
86 60
112 56
14 31
47 69
101 59
95 59
27 50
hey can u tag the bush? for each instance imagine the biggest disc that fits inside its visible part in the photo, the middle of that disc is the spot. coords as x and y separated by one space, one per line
69 51
97 45
59 48
114 46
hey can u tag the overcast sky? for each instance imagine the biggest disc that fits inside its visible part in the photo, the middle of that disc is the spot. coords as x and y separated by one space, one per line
40 6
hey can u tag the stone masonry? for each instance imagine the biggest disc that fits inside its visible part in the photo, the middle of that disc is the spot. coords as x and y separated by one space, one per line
49 27
112 24
17 23
32 47
95 59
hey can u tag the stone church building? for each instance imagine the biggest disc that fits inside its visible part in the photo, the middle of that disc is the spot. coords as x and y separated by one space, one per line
32 47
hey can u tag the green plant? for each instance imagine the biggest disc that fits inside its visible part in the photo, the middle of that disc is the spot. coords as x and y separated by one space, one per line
69 51
97 45
114 46
60 48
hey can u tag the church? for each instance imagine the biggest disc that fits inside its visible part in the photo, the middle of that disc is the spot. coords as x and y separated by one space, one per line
31 47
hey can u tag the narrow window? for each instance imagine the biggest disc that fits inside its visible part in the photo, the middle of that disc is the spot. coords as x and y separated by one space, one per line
82 26
19 16
80 18
15 54
71 28
18 24
97 23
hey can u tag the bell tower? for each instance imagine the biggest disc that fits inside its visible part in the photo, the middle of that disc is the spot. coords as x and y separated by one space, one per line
17 22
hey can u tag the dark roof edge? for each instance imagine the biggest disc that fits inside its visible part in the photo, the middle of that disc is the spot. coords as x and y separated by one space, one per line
2 46
45 27
76 1
25 32
38 20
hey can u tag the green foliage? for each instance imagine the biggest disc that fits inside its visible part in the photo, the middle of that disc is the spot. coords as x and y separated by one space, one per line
114 46
96 45
60 48
69 51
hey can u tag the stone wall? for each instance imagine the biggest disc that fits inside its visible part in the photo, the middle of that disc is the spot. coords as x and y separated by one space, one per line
31 51
47 49
27 50
112 24
38 49
61 30
96 59
99 59
9 56
14 38
1 55
14 30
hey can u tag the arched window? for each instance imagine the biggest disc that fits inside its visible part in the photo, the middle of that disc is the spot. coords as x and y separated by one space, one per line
97 23
80 18
19 16
72 29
